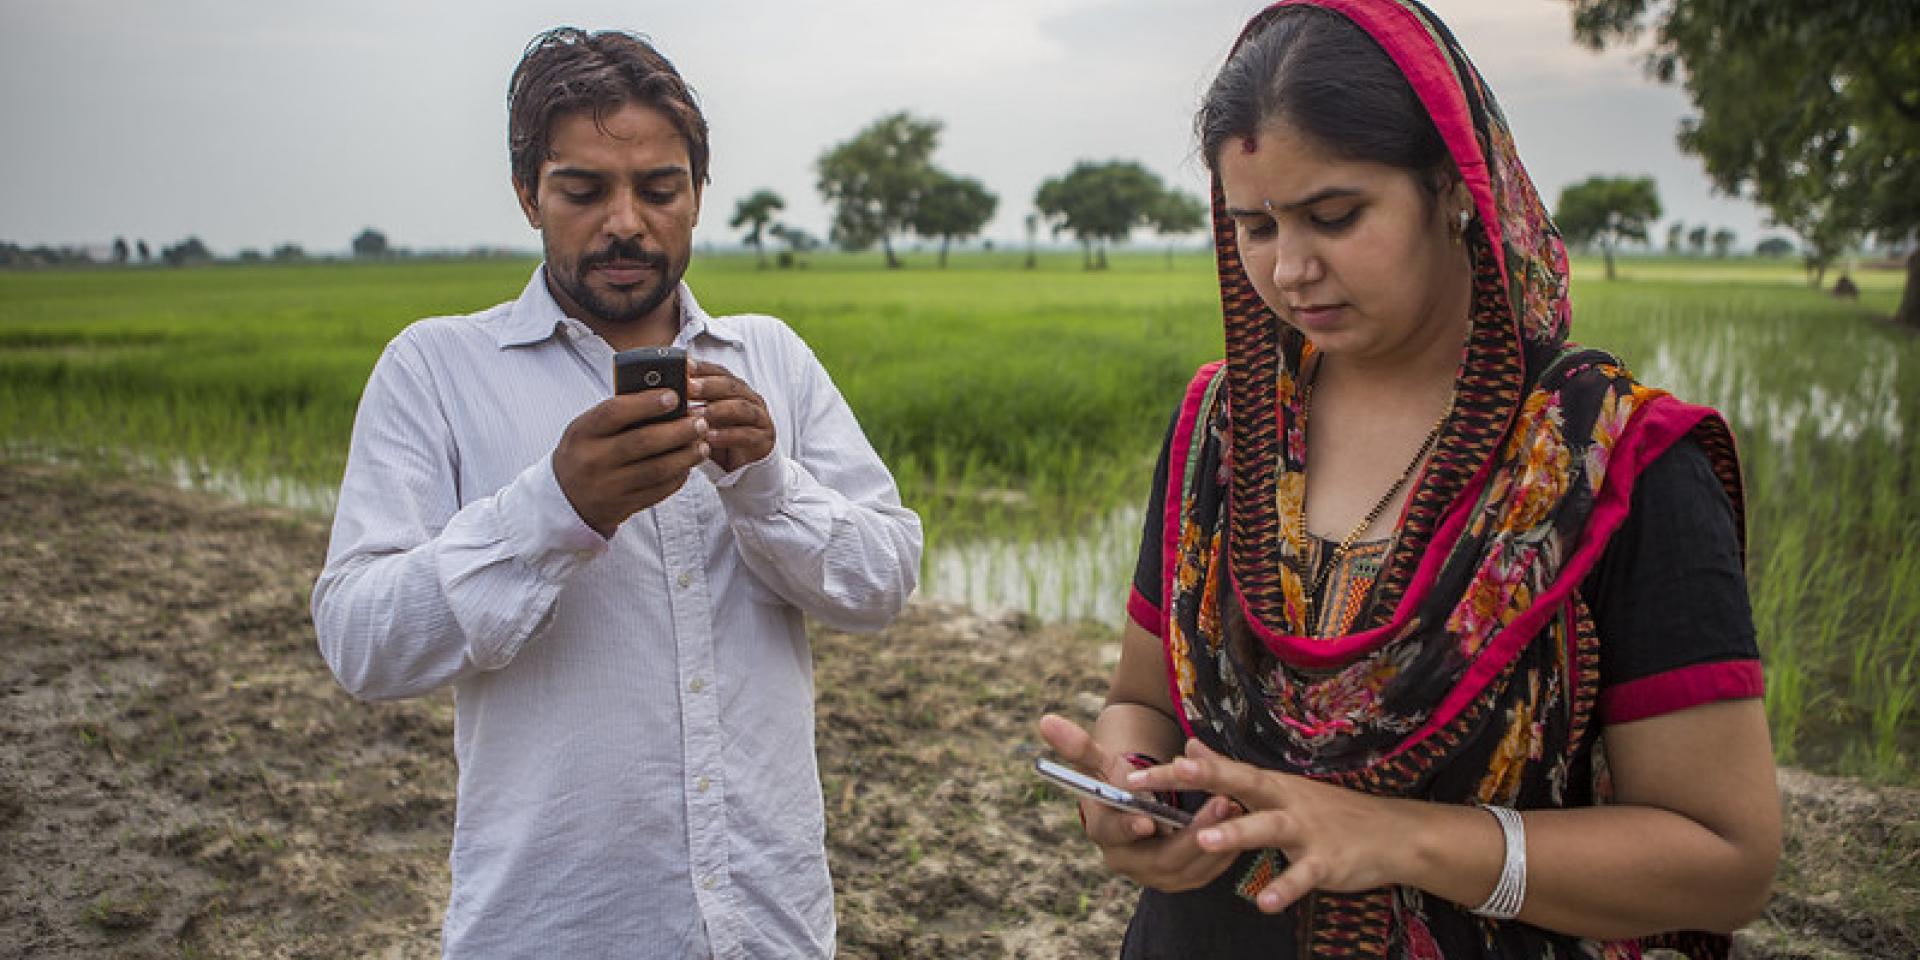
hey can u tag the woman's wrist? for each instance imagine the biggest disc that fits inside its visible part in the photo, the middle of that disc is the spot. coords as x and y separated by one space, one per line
1448 850
1133 728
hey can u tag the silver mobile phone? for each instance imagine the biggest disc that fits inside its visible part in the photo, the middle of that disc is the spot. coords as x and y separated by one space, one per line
1103 792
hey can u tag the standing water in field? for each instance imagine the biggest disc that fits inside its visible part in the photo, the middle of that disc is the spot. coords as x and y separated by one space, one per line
1730 363
1082 577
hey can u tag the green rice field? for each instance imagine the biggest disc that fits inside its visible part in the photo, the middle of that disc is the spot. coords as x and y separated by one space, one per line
1021 409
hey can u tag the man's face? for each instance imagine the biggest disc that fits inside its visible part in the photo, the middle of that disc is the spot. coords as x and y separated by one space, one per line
615 205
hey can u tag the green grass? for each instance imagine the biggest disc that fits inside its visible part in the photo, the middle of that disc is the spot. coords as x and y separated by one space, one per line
1021 408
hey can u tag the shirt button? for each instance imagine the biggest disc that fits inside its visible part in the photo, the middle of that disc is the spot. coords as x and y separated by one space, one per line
700 784
708 882
686 579
696 685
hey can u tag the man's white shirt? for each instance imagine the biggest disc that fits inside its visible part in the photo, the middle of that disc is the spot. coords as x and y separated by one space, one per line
634 716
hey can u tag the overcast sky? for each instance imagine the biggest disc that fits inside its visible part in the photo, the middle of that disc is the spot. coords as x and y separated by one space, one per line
252 122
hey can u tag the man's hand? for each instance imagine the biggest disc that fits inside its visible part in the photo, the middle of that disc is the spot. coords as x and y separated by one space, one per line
610 470
739 428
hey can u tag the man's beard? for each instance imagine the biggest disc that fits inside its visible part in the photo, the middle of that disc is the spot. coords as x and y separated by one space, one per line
625 311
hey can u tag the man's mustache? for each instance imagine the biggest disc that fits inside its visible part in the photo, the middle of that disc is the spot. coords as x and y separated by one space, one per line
625 251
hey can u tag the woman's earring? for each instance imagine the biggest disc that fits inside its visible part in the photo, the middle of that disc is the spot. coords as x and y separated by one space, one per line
1457 230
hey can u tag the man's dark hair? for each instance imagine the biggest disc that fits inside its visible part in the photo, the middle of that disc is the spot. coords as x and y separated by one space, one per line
1322 75
567 69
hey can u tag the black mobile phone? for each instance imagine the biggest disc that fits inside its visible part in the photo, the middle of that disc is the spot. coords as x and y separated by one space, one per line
653 368
1104 792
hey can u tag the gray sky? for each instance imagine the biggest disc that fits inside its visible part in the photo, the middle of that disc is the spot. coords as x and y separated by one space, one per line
252 122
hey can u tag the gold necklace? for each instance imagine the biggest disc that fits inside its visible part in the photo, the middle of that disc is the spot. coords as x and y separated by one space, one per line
1323 570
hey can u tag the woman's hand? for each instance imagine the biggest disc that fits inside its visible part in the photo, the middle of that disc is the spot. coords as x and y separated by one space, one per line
1333 838
1133 845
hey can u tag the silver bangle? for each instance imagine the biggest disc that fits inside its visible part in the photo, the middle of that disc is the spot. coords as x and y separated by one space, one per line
1507 896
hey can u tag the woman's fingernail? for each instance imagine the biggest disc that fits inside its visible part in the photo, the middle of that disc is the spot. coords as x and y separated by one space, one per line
1209 837
1136 777
669 399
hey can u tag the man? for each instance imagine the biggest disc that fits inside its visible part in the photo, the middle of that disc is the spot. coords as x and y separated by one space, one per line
617 607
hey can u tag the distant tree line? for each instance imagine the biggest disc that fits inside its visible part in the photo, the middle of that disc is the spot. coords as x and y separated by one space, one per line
882 184
1606 213
368 244
182 253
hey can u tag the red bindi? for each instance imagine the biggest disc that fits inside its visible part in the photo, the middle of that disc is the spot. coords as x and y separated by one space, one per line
1247 145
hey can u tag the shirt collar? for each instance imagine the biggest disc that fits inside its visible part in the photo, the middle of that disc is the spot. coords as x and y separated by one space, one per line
536 315
695 321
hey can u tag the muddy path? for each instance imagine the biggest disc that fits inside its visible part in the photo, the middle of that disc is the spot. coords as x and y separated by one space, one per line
179 775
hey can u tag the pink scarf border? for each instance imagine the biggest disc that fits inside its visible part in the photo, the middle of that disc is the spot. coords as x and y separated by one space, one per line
1654 428
1191 418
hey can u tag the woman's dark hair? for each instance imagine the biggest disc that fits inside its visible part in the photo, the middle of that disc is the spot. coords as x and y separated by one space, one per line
568 69
1322 75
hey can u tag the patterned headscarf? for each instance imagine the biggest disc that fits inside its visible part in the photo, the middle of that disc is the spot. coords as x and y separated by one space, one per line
1472 677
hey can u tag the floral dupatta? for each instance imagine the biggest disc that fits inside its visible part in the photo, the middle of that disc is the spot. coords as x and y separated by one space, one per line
1473 678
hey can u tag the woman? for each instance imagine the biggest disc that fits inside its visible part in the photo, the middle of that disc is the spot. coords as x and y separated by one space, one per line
1452 609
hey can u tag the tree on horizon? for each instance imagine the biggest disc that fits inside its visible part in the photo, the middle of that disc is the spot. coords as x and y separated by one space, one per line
1100 203
1723 242
370 244
874 179
951 208
1607 211
755 211
186 253
1177 213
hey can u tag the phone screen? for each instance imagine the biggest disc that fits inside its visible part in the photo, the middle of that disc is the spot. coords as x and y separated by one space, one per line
1104 792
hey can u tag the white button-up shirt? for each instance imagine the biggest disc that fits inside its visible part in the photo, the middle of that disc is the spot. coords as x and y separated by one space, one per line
634 716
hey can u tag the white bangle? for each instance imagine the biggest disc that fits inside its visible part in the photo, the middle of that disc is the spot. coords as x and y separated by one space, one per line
1507 896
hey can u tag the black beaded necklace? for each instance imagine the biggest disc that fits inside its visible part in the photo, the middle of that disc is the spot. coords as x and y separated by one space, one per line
1323 570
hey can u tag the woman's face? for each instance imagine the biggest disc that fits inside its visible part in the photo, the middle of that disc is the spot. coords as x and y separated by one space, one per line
1356 256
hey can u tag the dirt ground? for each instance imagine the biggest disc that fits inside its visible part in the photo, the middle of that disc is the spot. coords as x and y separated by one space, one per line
179 775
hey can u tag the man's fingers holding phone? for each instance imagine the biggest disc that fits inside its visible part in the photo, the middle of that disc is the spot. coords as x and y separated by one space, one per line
657 453
610 469
647 406
658 440
742 430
